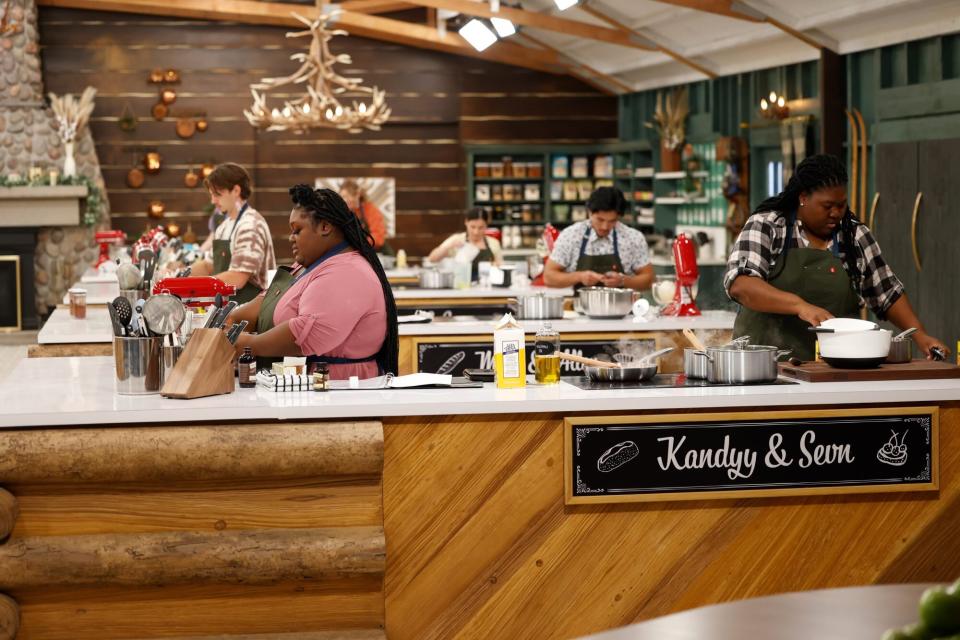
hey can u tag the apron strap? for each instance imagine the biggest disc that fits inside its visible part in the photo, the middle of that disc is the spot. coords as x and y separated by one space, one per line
338 360
586 237
233 231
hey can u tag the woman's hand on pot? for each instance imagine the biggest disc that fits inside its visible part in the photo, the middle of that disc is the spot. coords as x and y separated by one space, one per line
813 314
926 342
590 278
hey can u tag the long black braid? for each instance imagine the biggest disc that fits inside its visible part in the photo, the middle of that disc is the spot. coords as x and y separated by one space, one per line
813 173
326 204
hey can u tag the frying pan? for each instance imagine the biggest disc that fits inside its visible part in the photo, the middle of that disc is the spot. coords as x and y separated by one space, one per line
633 371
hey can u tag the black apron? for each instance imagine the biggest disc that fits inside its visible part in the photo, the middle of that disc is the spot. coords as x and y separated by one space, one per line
600 264
815 275
282 282
222 255
485 255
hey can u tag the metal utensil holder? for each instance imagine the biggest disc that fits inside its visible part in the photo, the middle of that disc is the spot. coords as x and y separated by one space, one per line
137 365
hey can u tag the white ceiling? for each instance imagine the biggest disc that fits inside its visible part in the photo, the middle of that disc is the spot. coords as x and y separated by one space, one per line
729 45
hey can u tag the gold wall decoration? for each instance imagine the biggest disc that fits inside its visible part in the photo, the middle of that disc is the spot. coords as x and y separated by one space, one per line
321 105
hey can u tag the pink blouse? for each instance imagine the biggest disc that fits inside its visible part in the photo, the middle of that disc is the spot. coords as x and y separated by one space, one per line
337 310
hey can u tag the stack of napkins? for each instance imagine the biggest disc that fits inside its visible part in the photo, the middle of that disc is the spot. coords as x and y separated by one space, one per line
289 382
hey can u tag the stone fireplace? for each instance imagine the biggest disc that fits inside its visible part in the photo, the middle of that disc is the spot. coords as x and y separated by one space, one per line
51 257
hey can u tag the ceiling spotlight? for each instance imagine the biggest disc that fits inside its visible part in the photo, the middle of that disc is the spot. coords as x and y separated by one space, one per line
564 4
503 26
478 34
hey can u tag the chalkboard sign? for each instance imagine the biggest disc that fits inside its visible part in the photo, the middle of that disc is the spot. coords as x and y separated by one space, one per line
685 457
454 357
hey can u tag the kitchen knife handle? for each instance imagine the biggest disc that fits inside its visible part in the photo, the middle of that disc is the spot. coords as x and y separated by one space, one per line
913 232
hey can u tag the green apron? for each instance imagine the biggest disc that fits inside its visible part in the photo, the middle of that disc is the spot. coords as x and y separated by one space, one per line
485 255
600 264
815 275
282 281
222 255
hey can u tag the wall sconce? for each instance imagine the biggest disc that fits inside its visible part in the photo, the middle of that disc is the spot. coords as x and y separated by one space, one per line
168 95
152 162
206 169
155 209
774 107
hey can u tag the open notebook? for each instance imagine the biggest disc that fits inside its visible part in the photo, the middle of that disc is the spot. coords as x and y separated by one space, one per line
273 382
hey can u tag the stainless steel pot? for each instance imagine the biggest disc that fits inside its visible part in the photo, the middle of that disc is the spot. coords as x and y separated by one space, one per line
694 366
746 364
606 302
436 279
538 306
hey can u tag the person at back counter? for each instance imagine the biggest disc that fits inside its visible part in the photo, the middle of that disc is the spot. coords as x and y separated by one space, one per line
601 250
242 244
803 257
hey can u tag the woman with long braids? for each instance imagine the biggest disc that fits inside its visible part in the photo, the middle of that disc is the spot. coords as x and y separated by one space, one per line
803 257
335 304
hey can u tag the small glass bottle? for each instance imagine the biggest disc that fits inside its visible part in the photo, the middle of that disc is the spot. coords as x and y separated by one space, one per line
247 369
546 355
321 377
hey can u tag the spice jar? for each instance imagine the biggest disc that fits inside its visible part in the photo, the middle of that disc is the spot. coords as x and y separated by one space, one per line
482 169
321 377
534 170
78 303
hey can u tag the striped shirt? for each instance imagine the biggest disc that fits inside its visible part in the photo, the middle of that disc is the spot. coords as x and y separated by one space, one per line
760 244
251 249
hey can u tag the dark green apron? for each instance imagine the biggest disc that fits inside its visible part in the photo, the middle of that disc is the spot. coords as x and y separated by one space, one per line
282 282
600 264
817 276
485 255
222 256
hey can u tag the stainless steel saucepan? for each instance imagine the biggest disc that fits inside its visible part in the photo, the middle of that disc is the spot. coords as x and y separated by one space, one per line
742 364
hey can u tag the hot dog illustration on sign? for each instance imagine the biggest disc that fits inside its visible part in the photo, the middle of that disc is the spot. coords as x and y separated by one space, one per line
617 456
894 452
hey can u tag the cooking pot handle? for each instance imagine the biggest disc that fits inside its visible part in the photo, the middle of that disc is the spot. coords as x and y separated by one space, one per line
783 352
704 354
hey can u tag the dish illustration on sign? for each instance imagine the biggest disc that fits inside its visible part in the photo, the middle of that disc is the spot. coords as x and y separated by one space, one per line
617 456
893 452
452 362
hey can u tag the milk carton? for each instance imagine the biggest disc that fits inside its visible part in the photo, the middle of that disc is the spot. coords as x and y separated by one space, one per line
509 353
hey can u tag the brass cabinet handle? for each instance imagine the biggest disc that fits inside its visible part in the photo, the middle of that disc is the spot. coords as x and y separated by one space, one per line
873 213
913 232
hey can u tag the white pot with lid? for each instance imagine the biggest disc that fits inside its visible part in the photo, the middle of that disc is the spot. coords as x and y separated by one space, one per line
848 343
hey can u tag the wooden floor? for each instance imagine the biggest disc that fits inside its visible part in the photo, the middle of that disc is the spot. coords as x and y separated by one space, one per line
481 545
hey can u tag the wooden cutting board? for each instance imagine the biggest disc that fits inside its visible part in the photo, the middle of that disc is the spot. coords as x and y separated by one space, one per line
915 370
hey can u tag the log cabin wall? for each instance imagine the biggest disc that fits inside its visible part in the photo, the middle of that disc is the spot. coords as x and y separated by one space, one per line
439 101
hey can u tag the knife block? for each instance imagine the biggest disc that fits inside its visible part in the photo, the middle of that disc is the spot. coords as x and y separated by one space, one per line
205 368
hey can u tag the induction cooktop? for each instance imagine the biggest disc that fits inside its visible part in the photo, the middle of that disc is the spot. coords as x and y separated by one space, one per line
660 381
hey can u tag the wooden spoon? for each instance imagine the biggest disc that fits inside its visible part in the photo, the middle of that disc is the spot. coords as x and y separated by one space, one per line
694 340
589 361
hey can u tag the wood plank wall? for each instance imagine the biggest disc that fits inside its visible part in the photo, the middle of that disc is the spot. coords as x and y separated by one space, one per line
440 102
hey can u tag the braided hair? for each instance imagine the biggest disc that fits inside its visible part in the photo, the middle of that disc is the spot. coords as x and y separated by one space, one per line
817 172
326 204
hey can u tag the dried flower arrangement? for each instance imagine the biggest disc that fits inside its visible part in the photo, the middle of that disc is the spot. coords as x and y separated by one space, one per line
72 116
669 120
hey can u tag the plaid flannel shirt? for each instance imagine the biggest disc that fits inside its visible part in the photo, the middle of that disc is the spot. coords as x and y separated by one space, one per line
761 242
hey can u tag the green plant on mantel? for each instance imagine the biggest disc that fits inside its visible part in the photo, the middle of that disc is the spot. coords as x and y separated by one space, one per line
94 199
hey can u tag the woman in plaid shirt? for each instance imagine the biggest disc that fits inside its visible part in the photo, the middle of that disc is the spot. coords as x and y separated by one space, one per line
803 258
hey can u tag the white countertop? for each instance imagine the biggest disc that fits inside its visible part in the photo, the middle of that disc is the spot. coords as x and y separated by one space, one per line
60 328
475 292
571 323
97 292
79 391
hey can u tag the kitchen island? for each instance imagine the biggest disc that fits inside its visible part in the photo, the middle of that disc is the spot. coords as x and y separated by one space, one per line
427 513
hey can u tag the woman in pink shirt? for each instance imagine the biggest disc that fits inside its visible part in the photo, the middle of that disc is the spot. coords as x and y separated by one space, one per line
335 304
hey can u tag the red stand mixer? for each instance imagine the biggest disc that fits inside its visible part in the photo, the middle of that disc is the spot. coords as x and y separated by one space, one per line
107 239
685 263
195 291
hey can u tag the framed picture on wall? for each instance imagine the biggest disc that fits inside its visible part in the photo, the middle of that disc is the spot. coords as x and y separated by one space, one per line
381 192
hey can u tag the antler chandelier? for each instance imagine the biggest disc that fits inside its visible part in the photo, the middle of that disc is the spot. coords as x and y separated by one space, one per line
323 105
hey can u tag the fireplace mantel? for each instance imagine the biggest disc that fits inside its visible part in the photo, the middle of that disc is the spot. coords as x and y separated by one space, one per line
41 206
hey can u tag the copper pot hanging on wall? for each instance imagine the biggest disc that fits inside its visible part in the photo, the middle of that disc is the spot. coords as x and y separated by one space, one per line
159 111
135 178
168 96
186 127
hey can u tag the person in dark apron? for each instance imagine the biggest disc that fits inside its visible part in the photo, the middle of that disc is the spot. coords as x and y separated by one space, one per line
574 264
323 228
475 221
229 187
826 263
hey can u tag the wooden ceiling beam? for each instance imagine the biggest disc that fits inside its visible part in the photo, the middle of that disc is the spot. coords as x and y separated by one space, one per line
583 71
599 10
371 6
358 24
543 21
719 7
